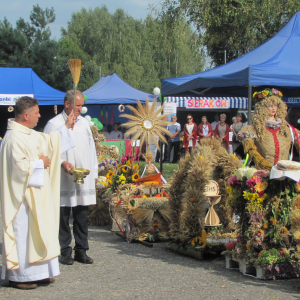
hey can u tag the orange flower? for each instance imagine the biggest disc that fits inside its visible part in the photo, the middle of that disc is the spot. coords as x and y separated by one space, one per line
192 199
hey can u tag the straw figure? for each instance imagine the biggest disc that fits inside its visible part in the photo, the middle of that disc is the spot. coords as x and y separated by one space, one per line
269 139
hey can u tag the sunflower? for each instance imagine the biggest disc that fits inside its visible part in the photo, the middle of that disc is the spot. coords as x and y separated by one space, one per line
119 165
105 184
124 169
135 177
109 181
135 167
110 174
146 123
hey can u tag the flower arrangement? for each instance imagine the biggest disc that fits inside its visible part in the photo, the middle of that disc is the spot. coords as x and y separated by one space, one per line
248 184
199 242
264 208
106 165
126 173
257 96
273 256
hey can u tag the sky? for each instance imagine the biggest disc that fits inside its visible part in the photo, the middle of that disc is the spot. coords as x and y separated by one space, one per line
14 9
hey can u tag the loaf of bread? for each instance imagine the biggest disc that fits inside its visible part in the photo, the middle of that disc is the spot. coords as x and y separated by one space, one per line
286 165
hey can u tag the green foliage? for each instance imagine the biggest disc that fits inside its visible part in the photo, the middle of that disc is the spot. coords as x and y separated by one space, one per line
236 26
29 45
140 52
273 256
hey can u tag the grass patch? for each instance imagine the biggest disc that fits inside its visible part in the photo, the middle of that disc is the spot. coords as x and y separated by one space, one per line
168 170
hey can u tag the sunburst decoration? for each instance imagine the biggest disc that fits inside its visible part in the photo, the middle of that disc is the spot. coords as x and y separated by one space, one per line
146 123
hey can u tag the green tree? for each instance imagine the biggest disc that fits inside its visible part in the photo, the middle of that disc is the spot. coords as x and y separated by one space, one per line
29 44
140 52
236 26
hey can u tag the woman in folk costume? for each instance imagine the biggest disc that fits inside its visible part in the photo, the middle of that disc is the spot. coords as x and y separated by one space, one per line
270 137
204 129
190 134
222 132
236 128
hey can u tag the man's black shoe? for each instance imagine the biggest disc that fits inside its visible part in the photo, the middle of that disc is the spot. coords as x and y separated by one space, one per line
83 258
66 260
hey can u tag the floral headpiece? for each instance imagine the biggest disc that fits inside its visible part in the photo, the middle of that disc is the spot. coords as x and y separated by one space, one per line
258 96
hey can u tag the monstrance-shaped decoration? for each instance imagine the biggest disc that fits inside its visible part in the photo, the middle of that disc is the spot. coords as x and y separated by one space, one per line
212 192
146 123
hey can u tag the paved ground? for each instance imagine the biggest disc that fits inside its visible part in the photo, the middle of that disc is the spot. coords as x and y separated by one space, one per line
133 271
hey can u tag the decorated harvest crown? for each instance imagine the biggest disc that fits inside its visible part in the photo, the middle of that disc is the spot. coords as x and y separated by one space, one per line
259 96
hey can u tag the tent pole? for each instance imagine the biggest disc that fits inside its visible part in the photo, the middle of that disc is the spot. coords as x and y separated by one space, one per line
161 143
249 104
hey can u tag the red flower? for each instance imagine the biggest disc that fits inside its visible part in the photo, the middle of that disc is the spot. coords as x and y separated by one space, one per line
282 253
260 96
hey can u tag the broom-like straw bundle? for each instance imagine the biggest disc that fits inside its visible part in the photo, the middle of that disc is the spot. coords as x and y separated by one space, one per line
75 68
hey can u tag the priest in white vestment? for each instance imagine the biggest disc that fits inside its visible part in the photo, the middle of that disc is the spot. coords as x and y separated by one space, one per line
73 196
29 189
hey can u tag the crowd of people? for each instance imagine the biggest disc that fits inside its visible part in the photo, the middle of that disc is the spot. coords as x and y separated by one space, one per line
192 133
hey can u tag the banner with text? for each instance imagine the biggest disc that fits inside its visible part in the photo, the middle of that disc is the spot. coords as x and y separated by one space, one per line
207 103
10 99
170 109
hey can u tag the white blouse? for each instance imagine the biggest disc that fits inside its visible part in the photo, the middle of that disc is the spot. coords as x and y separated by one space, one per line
190 130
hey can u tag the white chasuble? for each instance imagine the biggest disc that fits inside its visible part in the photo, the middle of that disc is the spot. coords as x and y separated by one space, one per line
35 200
83 155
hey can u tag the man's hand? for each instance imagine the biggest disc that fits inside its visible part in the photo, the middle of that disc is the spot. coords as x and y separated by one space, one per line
70 120
67 166
46 161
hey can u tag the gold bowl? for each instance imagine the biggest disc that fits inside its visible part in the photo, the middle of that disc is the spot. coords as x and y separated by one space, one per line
79 174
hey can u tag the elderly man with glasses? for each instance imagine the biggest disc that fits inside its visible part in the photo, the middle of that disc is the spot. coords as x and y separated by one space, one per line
173 140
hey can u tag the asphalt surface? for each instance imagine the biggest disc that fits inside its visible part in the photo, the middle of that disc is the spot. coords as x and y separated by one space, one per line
133 271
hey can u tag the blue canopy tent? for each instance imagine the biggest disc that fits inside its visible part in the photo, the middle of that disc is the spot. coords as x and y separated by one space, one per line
17 82
113 90
108 93
275 63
